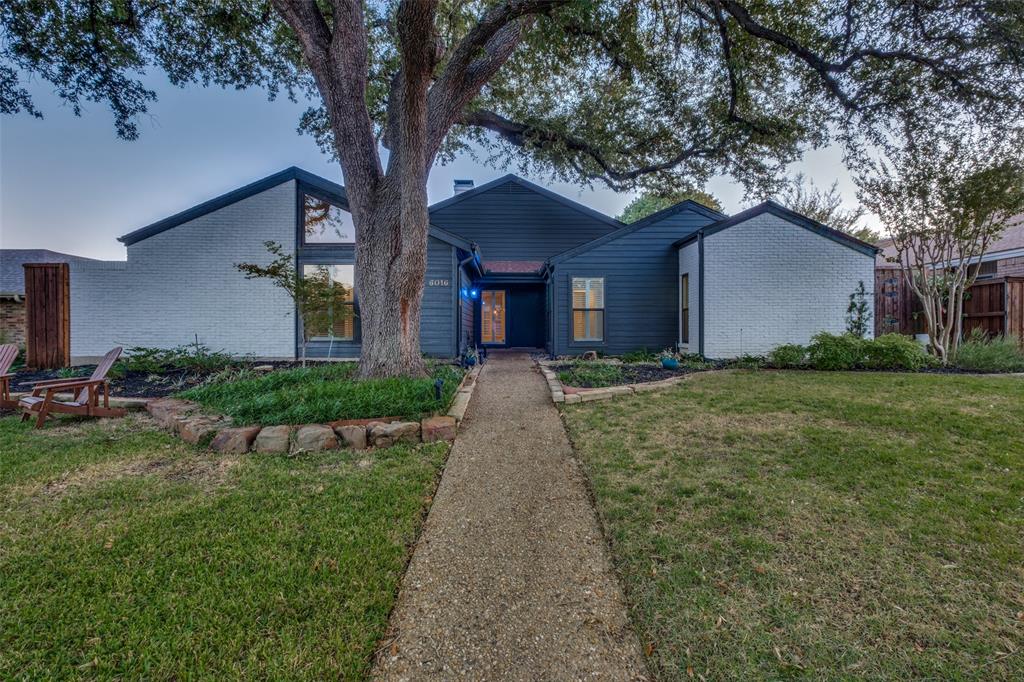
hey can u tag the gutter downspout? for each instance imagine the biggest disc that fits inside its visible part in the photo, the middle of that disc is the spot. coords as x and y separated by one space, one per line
700 293
473 256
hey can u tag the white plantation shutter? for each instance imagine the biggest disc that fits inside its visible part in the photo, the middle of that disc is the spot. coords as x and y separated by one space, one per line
588 308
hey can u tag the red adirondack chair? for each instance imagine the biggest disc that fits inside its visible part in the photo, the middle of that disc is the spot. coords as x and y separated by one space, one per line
8 352
86 392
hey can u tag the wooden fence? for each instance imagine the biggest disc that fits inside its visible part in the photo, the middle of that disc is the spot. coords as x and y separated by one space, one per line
47 315
996 306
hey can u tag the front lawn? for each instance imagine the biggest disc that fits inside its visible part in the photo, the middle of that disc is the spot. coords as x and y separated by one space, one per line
127 554
770 525
324 393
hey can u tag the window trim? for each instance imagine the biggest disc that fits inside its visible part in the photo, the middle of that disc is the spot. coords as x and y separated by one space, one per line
591 342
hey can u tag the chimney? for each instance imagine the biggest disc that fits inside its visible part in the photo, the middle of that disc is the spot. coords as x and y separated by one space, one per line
460 186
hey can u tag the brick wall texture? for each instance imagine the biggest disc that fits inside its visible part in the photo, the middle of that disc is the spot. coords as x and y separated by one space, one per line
769 282
12 321
183 283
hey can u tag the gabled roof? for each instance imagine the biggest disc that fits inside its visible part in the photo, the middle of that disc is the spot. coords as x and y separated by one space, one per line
786 214
505 179
331 190
685 205
12 274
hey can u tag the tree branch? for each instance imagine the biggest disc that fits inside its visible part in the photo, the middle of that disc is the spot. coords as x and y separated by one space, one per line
522 135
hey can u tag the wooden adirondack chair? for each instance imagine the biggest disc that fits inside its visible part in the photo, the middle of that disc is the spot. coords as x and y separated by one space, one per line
86 395
8 353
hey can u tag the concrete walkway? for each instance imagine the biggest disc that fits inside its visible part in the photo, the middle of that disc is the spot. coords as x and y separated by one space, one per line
510 579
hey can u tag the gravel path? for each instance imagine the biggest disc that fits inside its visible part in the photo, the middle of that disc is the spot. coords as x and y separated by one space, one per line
510 579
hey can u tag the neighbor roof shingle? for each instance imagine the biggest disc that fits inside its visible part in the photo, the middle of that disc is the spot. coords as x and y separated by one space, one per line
12 275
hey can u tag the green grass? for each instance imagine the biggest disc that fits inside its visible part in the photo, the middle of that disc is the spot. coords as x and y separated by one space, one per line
999 354
323 393
125 554
591 374
775 525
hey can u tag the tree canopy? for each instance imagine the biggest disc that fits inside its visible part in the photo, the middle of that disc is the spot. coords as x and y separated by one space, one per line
826 206
652 202
657 93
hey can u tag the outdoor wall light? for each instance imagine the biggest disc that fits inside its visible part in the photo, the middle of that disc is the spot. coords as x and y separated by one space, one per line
473 293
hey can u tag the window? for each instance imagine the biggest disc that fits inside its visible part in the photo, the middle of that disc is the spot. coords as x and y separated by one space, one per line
340 325
325 223
684 306
984 270
588 308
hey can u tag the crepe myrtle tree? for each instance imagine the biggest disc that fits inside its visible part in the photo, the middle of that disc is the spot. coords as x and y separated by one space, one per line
637 95
944 200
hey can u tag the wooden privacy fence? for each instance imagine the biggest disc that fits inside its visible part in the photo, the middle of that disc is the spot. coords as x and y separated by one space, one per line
47 315
996 306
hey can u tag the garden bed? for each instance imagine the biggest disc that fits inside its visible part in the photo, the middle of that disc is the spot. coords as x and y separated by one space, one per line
598 374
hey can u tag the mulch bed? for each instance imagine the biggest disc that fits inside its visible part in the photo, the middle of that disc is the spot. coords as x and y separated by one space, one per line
633 374
134 384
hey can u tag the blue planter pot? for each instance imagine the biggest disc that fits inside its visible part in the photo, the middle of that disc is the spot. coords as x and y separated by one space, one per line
670 363
470 361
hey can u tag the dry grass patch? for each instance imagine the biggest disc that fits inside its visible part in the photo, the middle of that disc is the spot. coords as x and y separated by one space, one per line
770 525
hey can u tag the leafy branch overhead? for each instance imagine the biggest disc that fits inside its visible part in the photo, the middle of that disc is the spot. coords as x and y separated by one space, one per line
661 94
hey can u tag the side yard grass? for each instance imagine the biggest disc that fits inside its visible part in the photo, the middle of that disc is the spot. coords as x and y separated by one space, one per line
324 393
127 554
772 525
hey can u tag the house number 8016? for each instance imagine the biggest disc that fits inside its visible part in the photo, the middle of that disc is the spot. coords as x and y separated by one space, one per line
438 282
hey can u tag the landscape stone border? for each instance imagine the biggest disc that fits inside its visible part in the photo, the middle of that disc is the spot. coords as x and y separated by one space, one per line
559 393
187 420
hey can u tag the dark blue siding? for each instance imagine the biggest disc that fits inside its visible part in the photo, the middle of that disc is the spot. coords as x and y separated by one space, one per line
467 311
438 316
513 222
641 272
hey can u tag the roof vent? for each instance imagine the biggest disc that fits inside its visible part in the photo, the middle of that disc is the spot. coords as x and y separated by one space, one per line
460 186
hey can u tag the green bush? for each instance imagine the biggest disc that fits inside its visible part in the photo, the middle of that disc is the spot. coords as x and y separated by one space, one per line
895 352
833 352
588 374
194 357
998 354
746 361
641 355
787 356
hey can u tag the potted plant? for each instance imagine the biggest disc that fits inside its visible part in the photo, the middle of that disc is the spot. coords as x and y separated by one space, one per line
669 359
469 359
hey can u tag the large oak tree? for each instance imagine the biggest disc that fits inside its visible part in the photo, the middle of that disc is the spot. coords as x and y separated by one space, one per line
658 94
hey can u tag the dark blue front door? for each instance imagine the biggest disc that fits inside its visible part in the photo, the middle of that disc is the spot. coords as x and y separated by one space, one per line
526 316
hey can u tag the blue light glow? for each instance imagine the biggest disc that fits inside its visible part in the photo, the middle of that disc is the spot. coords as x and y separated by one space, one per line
474 293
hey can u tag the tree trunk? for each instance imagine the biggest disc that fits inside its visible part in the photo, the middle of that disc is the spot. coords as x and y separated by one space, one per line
391 263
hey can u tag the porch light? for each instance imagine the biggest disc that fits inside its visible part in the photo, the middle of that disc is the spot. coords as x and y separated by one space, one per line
474 293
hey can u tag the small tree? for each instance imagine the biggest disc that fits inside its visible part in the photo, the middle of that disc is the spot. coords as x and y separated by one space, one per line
319 301
944 203
651 202
825 206
858 312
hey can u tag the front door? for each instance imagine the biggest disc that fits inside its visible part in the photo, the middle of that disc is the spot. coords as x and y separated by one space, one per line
492 316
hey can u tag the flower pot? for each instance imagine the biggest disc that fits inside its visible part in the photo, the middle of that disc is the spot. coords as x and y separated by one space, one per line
470 361
670 363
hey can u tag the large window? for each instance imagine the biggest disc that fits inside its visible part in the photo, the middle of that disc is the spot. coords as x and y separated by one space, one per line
588 308
684 307
325 223
341 324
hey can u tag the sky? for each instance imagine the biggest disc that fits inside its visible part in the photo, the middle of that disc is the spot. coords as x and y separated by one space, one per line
69 184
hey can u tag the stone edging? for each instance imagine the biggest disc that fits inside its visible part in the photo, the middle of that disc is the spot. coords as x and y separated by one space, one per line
186 420
559 394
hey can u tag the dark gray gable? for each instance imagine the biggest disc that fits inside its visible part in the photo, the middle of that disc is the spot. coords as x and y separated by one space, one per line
789 216
512 219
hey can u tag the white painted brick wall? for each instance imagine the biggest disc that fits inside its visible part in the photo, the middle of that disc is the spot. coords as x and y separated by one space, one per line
183 282
769 282
689 263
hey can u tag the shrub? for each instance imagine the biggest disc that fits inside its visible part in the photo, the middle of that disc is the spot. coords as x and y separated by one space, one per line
585 374
894 351
747 361
999 354
787 356
836 351
194 357
641 355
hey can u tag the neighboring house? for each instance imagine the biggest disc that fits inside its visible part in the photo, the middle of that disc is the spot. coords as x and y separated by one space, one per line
1004 257
509 264
12 287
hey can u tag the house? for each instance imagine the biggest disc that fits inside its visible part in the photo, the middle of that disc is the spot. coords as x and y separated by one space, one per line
510 264
12 287
1003 258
